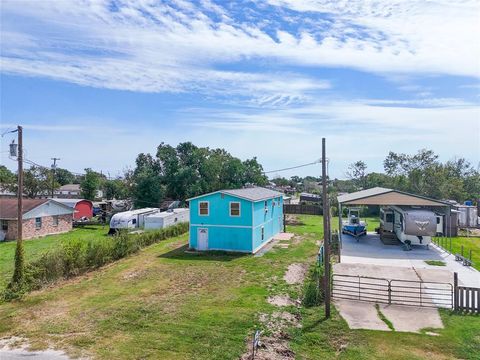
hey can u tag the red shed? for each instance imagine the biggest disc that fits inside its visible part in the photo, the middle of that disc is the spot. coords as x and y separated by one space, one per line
83 208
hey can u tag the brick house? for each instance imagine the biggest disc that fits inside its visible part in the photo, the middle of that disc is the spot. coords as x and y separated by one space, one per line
41 217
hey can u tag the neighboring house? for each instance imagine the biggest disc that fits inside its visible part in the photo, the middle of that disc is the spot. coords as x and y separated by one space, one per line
69 190
310 198
73 191
40 217
241 220
83 208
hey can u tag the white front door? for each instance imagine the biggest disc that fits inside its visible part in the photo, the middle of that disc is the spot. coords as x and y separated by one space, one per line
202 239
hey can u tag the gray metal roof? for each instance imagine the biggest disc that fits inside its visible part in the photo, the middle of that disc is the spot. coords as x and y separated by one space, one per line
384 196
362 194
253 193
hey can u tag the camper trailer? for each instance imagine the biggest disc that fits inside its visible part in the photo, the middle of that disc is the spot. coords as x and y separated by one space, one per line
167 218
414 226
132 219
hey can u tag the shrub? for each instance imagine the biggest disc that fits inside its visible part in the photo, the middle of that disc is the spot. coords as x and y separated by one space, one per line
76 257
313 292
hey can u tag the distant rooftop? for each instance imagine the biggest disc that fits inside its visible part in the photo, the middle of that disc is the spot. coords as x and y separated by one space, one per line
69 187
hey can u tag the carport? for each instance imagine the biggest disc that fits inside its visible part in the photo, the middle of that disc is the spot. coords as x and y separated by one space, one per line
380 196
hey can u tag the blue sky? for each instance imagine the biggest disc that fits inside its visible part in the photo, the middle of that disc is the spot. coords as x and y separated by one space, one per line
97 82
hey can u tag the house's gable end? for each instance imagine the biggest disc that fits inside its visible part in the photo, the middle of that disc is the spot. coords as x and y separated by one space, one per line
48 208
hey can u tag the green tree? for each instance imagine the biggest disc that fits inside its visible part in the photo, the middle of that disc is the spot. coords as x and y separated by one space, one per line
115 189
357 172
148 190
37 181
187 170
63 177
90 184
7 179
254 172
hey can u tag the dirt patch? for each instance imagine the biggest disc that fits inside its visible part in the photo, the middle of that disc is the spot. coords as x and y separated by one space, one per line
293 220
275 345
281 300
135 274
295 273
18 348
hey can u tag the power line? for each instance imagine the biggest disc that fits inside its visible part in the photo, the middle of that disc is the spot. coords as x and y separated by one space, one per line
319 161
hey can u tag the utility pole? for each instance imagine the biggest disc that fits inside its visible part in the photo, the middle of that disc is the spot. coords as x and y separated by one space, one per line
326 230
54 168
19 252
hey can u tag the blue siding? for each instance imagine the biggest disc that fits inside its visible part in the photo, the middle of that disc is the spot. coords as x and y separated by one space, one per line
271 220
220 211
223 238
241 233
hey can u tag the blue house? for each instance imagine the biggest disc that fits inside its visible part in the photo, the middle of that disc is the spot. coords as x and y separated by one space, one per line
241 220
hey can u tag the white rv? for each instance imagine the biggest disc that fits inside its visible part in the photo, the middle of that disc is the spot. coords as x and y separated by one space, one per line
132 219
414 226
411 226
167 218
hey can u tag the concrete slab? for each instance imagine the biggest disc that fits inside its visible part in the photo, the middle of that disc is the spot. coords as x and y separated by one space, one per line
378 271
371 251
412 319
360 315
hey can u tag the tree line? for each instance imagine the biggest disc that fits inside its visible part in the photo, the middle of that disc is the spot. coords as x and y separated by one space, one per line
421 173
177 173
172 173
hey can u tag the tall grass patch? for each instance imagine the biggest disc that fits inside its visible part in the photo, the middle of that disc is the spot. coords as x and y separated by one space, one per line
75 257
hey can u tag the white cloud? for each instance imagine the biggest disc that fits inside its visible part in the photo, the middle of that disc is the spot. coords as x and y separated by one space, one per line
175 47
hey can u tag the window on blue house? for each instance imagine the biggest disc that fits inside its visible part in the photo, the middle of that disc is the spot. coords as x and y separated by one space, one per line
263 233
203 208
234 209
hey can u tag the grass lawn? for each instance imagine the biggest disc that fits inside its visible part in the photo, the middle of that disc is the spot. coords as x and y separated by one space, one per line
163 303
469 243
34 247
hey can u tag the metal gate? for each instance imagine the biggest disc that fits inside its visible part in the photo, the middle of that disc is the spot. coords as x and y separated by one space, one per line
392 291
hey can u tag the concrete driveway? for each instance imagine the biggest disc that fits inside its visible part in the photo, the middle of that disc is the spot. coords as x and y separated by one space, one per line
371 258
391 261
364 315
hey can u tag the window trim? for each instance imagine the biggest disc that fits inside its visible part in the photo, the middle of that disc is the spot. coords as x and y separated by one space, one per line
208 208
4 225
55 220
239 208
36 225
262 233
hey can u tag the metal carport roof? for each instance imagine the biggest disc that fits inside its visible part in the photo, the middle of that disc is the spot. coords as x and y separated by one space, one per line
384 196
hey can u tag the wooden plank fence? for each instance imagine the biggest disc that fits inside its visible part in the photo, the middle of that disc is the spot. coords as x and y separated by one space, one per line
302 209
467 299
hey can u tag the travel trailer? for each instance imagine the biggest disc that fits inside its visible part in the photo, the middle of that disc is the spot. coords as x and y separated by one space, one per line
167 218
412 226
132 219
